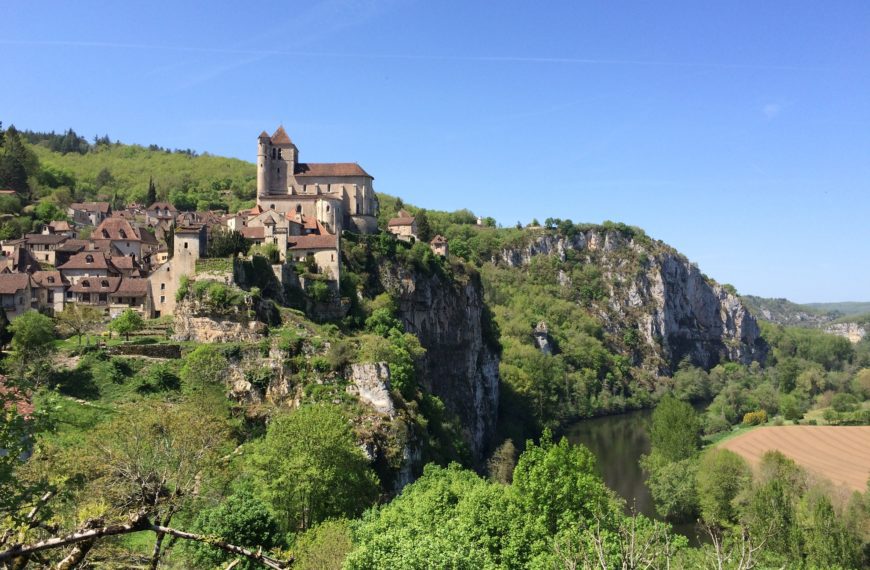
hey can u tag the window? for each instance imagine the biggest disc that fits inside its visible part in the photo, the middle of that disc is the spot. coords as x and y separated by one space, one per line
163 286
123 235
162 299
103 297
299 209
185 245
271 206
51 279
89 258
86 283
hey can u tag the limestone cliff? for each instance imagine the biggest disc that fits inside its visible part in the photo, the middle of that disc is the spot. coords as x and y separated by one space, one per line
447 314
678 312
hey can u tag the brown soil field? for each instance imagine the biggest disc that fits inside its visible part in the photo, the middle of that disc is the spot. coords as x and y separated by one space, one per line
838 453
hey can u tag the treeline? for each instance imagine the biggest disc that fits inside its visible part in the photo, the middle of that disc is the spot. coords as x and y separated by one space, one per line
777 515
49 171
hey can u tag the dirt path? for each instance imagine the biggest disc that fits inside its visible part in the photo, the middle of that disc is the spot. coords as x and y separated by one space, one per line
839 453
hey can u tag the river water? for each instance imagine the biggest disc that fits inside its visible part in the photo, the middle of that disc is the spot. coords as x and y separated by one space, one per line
618 442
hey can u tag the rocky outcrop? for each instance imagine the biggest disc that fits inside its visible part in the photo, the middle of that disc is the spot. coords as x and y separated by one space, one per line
370 382
461 361
541 333
194 323
678 312
853 331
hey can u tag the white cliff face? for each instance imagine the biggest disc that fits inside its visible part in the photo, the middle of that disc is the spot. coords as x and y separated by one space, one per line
853 331
370 382
677 310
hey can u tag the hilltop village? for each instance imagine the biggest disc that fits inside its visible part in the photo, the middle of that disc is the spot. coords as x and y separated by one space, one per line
135 258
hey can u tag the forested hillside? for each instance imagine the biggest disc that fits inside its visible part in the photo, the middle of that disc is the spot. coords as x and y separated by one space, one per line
409 422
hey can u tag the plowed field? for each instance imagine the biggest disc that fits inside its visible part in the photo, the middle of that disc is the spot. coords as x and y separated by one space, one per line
839 453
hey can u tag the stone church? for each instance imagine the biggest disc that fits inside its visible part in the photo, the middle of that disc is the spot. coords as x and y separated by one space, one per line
337 194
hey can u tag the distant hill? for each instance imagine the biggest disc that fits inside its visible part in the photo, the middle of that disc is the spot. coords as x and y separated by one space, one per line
846 309
785 312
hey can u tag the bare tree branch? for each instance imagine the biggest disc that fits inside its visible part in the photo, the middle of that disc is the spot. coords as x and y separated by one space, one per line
139 524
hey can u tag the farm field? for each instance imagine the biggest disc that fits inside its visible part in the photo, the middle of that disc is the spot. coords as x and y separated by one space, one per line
839 453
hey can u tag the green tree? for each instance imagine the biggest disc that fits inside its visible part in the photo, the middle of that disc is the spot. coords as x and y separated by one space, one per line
722 475
151 197
424 230
227 243
17 163
127 322
311 468
827 541
324 547
77 319
675 432
558 485
672 486
32 348
240 519
203 368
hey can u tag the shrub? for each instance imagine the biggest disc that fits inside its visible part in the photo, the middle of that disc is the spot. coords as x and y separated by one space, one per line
756 418
844 402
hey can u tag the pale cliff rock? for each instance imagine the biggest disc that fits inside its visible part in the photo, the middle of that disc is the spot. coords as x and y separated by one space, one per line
194 323
370 382
853 331
678 311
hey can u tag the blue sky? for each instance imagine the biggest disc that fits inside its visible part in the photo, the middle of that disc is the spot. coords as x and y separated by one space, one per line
739 132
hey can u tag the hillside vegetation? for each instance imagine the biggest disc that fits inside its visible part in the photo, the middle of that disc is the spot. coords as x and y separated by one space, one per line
265 451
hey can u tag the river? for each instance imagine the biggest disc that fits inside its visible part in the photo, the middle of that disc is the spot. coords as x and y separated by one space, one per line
618 442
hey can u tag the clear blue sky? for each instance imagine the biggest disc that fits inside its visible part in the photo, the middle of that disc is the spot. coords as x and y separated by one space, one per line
738 132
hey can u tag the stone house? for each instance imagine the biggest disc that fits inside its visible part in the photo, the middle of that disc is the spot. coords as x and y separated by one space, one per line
93 291
16 293
59 227
403 226
323 249
89 213
49 291
88 264
118 235
160 212
43 246
439 245
132 293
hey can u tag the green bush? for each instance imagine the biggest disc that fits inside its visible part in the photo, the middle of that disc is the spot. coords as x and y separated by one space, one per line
844 402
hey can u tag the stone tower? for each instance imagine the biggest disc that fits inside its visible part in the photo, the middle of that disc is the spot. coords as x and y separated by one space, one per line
277 158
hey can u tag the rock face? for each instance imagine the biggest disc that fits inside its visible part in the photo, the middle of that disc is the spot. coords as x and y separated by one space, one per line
542 334
853 331
678 311
370 382
193 323
461 364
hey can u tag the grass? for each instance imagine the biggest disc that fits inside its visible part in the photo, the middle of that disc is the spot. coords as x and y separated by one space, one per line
739 429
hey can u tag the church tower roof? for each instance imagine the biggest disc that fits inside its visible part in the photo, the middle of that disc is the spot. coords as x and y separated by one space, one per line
263 135
280 137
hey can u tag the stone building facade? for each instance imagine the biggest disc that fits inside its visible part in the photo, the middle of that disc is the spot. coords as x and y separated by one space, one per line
340 195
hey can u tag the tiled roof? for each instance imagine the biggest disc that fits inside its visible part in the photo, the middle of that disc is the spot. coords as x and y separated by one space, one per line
438 240
253 233
73 245
329 169
124 262
96 285
162 206
45 239
10 283
323 241
132 287
86 260
116 229
48 278
280 137
401 221
102 207
59 226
